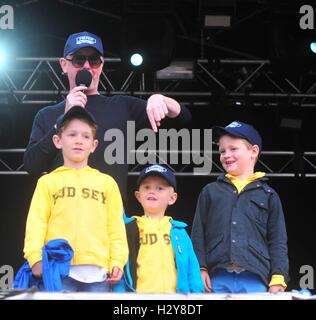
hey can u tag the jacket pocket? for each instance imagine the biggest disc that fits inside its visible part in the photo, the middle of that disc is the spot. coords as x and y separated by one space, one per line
258 210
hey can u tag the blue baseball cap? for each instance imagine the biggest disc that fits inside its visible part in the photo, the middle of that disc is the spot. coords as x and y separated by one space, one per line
158 170
80 40
240 130
73 113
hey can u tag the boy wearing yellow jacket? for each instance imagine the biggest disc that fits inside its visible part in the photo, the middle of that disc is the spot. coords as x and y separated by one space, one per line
81 205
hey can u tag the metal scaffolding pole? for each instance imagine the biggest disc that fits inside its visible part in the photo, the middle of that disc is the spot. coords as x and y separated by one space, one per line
35 77
9 166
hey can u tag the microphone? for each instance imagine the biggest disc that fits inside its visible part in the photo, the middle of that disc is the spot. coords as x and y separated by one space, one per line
83 78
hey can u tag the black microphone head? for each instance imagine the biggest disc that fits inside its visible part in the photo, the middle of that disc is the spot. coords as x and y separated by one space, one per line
83 78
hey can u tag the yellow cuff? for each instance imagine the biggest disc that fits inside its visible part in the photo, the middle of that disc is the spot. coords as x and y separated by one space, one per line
277 279
116 263
33 258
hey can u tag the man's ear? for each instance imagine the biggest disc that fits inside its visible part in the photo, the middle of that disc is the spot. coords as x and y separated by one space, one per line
63 64
173 198
56 140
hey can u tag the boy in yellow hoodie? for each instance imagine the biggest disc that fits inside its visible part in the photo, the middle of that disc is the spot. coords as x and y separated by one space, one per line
81 205
161 255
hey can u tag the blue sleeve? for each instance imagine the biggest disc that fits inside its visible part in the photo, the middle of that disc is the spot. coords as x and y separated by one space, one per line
24 278
194 276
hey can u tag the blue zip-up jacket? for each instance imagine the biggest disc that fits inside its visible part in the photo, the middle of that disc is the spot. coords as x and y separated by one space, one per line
56 257
188 271
245 228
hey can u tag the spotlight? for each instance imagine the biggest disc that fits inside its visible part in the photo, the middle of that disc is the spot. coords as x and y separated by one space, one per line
7 54
148 40
313 46
2 58
136 59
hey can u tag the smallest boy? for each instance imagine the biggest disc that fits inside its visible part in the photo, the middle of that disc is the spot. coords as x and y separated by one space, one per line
80 205
238 231
161 256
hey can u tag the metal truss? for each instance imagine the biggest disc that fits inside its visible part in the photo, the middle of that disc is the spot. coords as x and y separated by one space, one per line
279 164
241 82
247 80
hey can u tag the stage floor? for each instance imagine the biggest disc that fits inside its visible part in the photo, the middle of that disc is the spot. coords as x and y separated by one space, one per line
14 295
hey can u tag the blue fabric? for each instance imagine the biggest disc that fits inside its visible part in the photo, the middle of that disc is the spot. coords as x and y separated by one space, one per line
232 282
83 39
241 130
56 257
188 270
75 112
24 278
158 170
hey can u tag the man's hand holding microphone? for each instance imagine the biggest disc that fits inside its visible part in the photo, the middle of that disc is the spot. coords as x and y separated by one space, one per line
76 96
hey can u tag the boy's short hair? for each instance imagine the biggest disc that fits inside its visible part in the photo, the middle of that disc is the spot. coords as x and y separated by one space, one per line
241 130
158 170
77 112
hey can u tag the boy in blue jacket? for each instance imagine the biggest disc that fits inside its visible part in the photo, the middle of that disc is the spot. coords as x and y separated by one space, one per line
161 256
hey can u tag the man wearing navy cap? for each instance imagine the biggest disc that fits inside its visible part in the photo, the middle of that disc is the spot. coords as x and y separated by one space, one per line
239 232
84 51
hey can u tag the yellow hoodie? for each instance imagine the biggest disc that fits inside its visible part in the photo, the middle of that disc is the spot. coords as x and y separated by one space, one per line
156 268
84 207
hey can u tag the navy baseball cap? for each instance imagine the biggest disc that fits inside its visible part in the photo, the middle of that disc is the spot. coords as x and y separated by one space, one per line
240 130
73 113
80 40
158 170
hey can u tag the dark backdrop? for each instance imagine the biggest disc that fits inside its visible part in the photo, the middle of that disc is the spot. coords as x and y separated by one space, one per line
41 28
